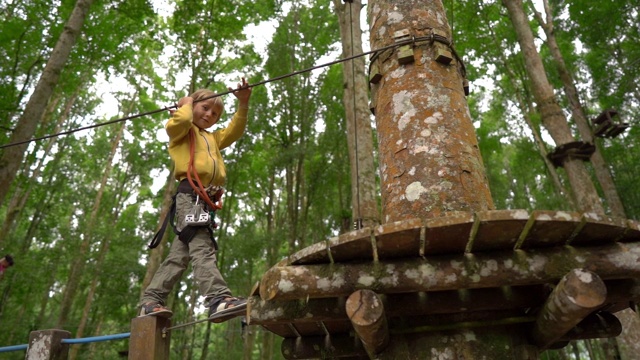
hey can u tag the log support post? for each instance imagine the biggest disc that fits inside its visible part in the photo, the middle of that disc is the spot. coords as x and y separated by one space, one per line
47 345
577 295
366 312
149 340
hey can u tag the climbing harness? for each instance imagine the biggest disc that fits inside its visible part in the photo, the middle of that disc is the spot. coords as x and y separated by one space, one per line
201 214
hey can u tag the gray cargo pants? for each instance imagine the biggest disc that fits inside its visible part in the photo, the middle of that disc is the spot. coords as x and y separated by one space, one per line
200 251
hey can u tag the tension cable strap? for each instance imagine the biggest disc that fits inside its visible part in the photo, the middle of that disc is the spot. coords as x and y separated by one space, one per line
160 234
199 189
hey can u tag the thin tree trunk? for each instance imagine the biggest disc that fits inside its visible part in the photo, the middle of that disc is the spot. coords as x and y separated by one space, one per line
187 344
155 258
205 343
599 164
92 346
44 300
553 118
526 108
364 203
576 351
97 269
268 340
77 267
27 124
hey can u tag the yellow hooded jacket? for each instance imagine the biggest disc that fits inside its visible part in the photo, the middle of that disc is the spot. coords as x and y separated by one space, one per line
207 158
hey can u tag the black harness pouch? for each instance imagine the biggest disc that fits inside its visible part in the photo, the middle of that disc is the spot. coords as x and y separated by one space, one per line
188 232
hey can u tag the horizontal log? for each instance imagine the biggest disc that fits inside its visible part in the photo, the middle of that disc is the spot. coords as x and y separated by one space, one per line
449 272
399 305
577 295
322 347
595 326
314 310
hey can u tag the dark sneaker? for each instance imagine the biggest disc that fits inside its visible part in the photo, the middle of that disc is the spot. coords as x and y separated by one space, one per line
223 309
154 309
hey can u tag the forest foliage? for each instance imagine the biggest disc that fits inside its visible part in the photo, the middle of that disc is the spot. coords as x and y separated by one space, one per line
289 178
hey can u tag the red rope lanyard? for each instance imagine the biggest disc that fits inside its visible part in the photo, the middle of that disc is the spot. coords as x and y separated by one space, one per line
199 189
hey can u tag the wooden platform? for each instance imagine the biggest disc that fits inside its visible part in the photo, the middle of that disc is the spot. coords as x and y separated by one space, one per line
461 270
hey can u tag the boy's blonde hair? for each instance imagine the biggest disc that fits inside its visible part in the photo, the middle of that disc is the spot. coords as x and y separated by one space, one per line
206 93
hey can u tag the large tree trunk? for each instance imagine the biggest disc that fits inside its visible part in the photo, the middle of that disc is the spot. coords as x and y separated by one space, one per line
599 164
22 192
429 157
28 122
553 118
359 133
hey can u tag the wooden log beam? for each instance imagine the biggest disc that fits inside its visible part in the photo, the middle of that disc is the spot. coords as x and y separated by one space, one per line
322 347
594 326
449 272
576 296
366 312
399 305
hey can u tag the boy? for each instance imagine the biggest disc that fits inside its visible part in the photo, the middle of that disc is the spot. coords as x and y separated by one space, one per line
201 172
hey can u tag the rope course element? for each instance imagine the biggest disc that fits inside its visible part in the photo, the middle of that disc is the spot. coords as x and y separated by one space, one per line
71 341
13 348
166 329
166 108
96 338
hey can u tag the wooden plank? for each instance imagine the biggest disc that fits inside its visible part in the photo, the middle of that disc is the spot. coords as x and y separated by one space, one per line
632 233
463 320
398 239
310 328
547 228
464 300
448 234
314 254
497 229
323 347
598 229
281 329
354 245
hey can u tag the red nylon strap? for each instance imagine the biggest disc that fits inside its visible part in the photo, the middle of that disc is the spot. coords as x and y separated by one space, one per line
199 190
